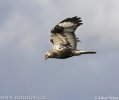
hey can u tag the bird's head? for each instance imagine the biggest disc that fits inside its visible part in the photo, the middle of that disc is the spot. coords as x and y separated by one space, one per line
49 54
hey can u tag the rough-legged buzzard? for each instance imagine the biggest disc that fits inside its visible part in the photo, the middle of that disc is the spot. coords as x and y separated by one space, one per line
64 40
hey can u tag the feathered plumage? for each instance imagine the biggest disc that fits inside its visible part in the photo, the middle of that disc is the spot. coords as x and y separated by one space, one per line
64 39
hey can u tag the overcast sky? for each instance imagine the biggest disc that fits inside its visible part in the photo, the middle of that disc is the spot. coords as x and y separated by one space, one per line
24 39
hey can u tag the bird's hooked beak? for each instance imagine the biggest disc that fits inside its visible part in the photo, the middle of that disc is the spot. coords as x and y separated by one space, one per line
46 58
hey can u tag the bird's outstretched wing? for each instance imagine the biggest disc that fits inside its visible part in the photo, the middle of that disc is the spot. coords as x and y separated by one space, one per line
63 33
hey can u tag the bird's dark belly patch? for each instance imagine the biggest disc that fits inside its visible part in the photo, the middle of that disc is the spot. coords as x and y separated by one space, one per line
65 54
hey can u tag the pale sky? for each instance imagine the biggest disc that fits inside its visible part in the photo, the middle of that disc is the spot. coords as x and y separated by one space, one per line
24 39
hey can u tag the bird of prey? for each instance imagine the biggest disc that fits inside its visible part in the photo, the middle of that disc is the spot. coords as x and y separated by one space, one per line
64 40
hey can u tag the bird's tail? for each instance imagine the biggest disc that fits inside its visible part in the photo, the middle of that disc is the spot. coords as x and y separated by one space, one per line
78 52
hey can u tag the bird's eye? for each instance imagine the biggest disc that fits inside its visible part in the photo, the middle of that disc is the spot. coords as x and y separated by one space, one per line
46 55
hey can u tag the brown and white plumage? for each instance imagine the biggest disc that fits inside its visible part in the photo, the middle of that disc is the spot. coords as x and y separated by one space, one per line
64 39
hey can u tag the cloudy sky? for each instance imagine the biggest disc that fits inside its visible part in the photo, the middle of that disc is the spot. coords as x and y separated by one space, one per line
24 38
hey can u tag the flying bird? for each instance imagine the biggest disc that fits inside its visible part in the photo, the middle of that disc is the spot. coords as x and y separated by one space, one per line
64 40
